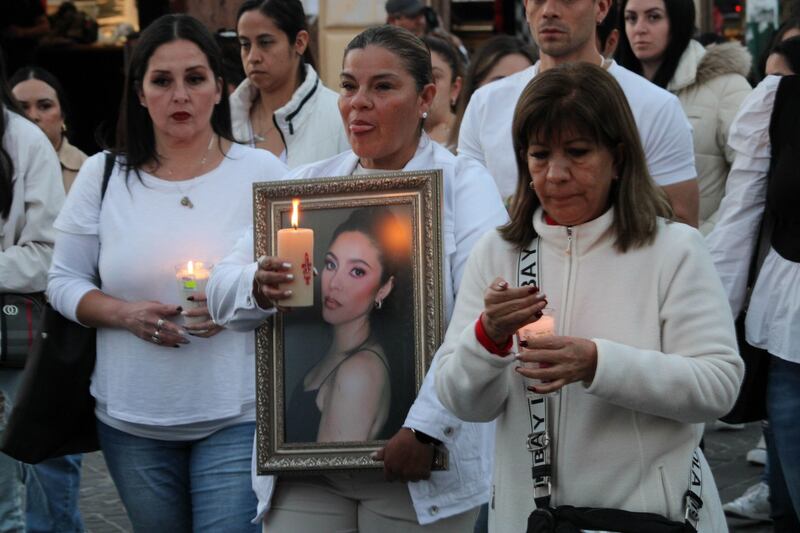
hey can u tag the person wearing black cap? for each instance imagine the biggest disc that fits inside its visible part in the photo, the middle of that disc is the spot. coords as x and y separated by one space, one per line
408 14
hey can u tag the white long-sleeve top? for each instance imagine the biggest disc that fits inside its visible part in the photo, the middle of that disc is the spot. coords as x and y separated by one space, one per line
128 245
666 362
773 315
27 234
471 208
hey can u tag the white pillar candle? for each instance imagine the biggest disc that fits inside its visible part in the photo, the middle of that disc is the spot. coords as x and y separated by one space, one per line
296 246
192 280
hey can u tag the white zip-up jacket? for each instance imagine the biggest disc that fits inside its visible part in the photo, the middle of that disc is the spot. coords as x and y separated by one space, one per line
472 206
666 362
309 123
27 234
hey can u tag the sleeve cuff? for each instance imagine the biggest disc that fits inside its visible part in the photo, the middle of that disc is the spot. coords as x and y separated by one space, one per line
501 350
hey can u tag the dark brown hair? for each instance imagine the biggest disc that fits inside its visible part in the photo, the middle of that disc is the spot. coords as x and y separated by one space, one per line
135 134
413 53
584 98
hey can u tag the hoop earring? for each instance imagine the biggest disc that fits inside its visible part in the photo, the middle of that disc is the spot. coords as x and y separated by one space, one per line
378 304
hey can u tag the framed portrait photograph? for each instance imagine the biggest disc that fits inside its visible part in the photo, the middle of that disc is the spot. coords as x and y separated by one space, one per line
338 370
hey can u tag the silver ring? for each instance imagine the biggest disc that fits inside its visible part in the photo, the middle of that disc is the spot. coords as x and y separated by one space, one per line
157 334
155 339
160 323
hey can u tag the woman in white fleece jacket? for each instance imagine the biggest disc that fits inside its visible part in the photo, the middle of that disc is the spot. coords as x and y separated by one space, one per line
646 350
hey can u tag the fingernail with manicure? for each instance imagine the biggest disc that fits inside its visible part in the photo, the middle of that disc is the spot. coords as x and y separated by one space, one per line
290 276
533 290
524 344
179 309
286 265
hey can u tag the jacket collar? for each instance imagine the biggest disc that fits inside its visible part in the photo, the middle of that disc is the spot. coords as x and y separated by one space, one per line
686 73
288 116
585 237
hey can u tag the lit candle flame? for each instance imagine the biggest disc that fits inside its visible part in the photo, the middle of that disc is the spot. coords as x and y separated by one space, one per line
295 212
190 267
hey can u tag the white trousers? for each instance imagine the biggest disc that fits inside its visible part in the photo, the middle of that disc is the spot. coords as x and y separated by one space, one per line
361 502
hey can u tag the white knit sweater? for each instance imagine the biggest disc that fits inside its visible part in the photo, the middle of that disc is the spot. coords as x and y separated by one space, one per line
667 361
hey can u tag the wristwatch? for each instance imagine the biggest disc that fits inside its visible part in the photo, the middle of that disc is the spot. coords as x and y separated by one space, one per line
424 438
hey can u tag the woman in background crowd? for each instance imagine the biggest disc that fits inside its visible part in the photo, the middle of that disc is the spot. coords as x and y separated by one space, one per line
448 70
710 84
53 488
790 28
763 180
784 58
500 56
44 101
31 194
387 90
282 106
176 417
747 187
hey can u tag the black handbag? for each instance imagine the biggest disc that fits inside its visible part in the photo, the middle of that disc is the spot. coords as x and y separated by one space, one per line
568 519
53 414
20 317
751 404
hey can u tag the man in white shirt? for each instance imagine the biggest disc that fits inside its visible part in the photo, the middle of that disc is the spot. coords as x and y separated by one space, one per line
565 31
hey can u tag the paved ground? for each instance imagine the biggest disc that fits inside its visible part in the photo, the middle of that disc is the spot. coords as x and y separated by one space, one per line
103 512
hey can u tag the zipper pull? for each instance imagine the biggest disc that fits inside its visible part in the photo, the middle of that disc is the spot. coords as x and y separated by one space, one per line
568 251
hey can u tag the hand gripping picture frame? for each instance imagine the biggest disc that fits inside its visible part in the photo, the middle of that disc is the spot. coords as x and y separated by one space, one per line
335 379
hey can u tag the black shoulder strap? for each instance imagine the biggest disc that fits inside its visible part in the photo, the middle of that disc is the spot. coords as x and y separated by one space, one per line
110 160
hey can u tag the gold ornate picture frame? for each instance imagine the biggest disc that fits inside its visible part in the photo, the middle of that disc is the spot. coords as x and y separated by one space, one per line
300 373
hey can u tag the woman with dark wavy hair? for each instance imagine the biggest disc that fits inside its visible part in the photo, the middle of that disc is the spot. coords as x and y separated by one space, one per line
175 398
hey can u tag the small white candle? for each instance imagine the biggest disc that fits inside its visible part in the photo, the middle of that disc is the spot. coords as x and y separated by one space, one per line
192 280
544 327
296 245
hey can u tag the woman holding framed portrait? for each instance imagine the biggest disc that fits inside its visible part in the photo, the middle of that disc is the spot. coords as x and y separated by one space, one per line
386 92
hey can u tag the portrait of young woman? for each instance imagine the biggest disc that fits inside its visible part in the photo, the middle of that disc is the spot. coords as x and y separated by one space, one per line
345 375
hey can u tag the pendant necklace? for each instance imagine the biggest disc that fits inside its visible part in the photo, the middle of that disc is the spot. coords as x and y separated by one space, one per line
185 200
261 134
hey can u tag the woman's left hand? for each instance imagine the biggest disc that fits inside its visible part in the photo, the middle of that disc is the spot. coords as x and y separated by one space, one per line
205 328
566 360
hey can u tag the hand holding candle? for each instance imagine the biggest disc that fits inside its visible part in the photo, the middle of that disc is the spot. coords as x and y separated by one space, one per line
296 246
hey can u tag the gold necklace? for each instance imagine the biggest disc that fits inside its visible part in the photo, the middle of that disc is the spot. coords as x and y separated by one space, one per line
185 200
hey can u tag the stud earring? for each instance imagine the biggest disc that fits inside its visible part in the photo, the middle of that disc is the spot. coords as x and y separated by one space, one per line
378 304
424 115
